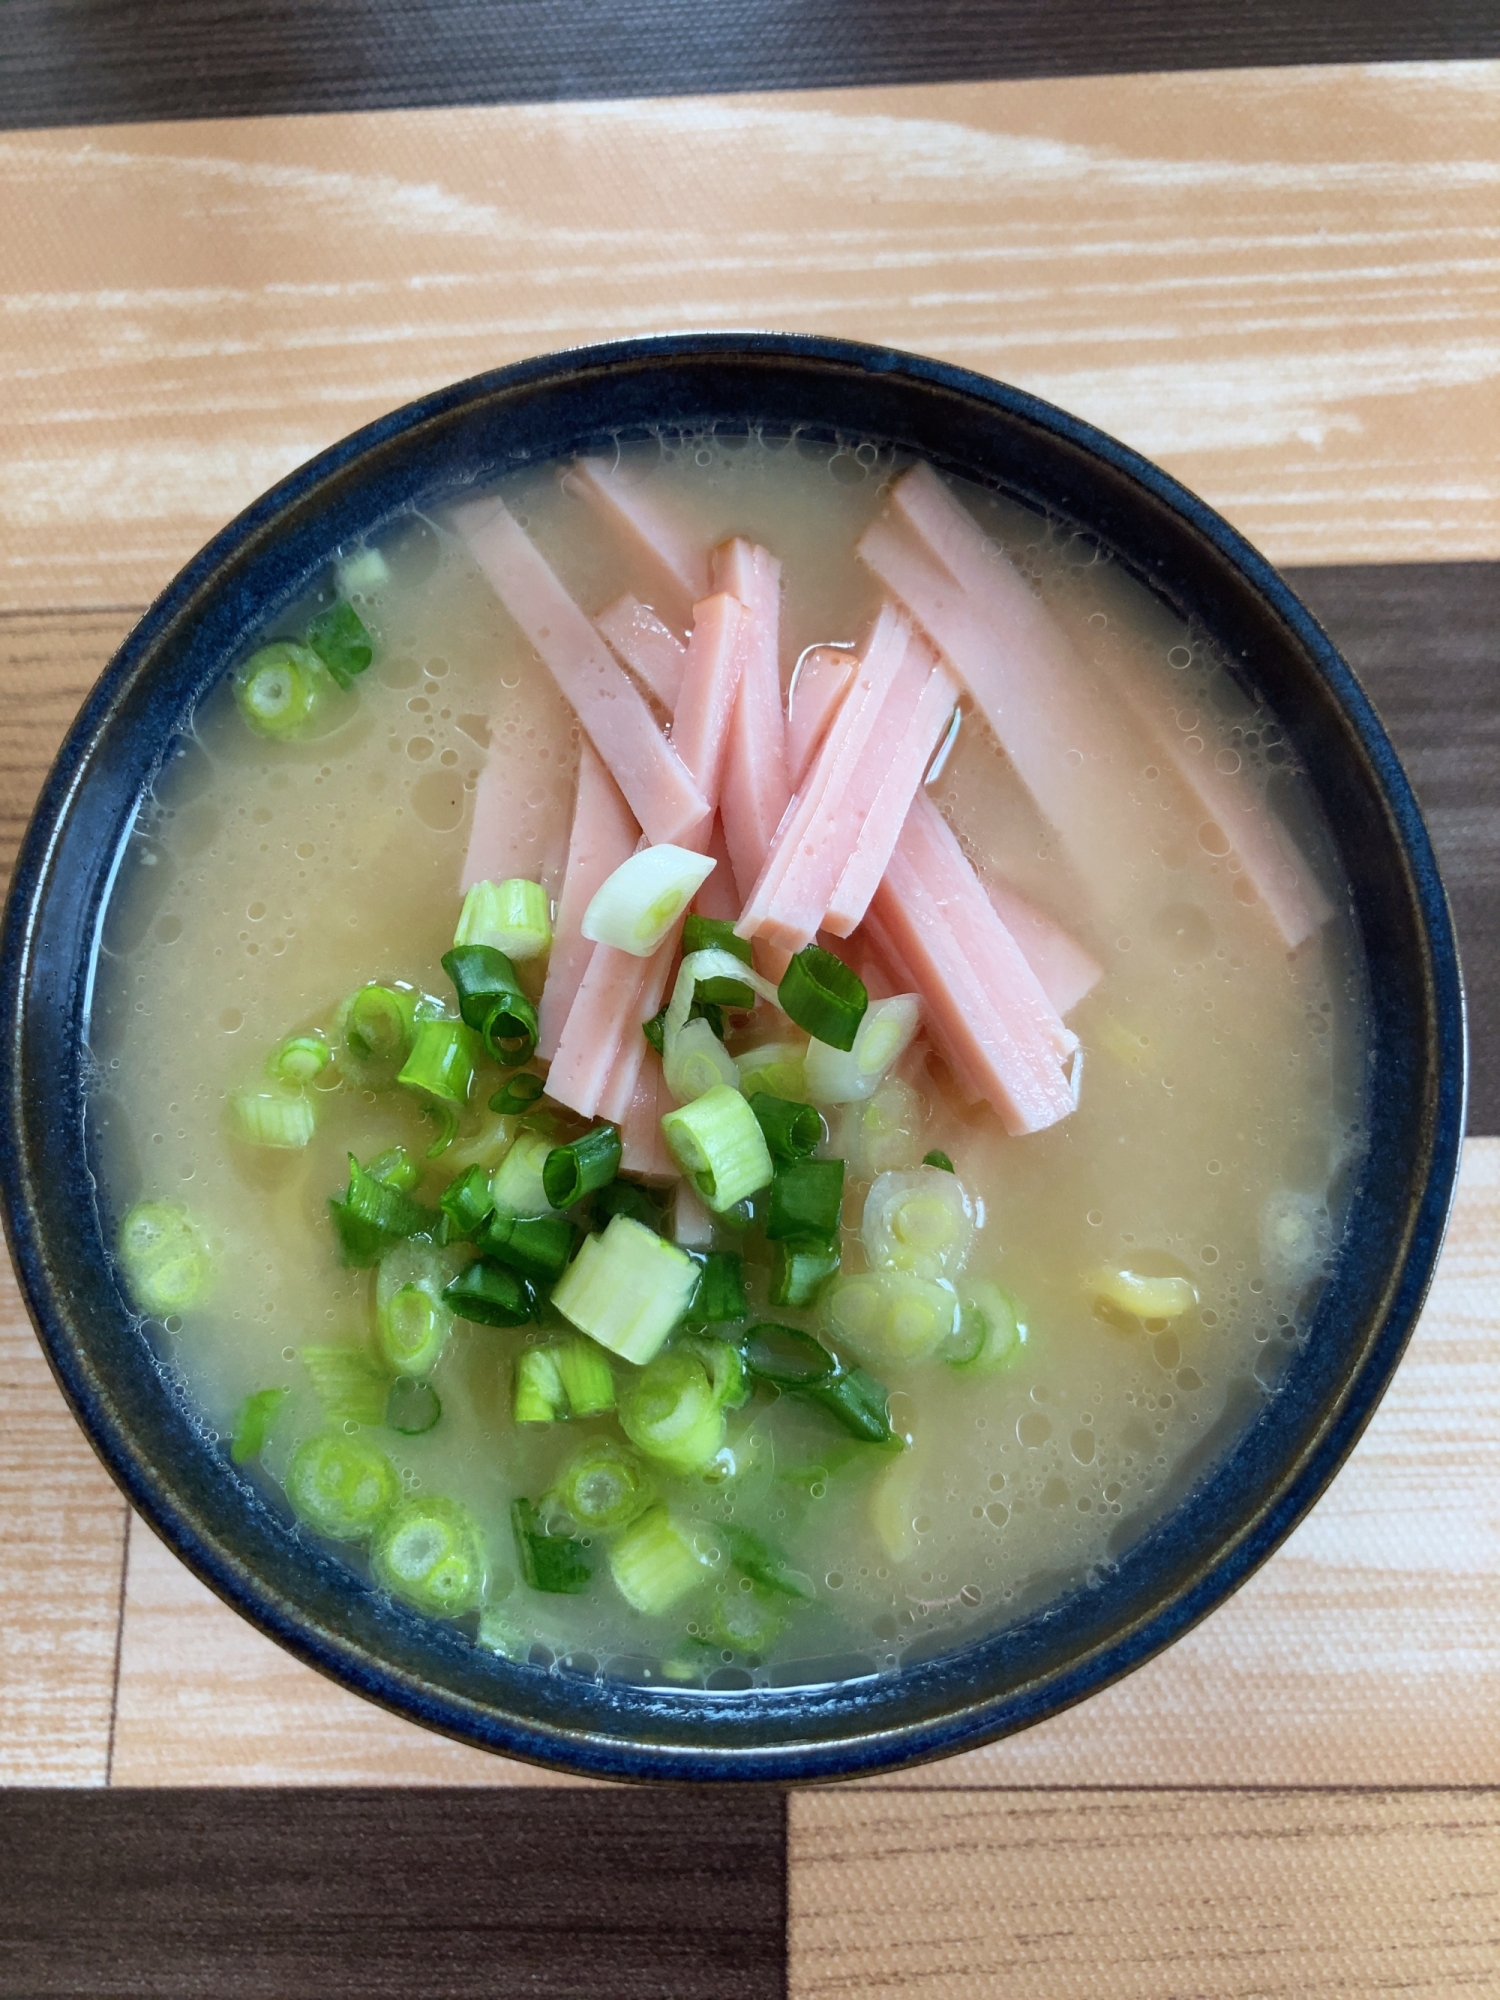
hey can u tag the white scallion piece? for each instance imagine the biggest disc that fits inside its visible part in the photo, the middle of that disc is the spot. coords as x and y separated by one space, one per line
921 1221
515 917
656 1562
636 906
892 1317
696 1062
516 1184
363 573
274 1118
779 1068
718 1143
847 1076
627 1289
702 965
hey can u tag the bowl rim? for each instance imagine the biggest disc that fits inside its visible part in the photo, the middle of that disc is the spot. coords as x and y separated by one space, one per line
961 1725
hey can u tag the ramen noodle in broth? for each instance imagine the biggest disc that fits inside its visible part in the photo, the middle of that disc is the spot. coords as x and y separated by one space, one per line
727 1063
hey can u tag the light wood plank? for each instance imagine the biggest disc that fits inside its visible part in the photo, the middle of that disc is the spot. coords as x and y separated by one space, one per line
62 1536
205 1700
1176 1896
1282 283
1367 1651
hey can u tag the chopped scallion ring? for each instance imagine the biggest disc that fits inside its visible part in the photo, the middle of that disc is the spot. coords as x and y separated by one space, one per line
490 1294
339 639
823 996
786 1356
428 1551
490 1001
793 1131
300 1059
936 1158
518 1095
280 689
538 1246
656 1563
281 1119
806 1199
441 1065
341 1485
412 1408
252 1423
548 1562
165 1258
717 1141
584 1164
604 1487
513 917
636 906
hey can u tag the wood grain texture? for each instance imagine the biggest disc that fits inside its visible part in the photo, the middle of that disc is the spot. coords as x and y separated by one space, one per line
205 1700
1367 1650
392 1896
62 1536
1281 283
1175 1896
73 62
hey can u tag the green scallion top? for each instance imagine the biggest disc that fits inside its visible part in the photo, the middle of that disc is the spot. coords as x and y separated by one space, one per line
822 995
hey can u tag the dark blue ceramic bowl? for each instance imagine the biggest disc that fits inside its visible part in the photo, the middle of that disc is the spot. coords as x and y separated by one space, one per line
1252 1488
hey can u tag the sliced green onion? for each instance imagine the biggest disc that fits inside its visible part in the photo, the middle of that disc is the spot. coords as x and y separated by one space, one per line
806 1199
466 1202
717 1142
280 689
822 995
698 1062
351 1387
491 1002
938 1159
893 1317
714 934
655 1563
746 1617
721 1289
627 1289
517 1186
586 1163
634 908
786 1356
538 1246
763 1564
803 1265
442 1061
604 1487
363 572
300 1059
429 1553
341 1485
281 1119
539 1396
655 1030
396 1169
165 1257
779 1069
725 1366
836 1076
514 917
588 1380
553 1563
412 1322
671 1413
626 1197
991 1332
522 1091
339 639
793 1131
377 1025
252 1422
922 1222
490 1295
373 1215
1142 1297
412 1408
858 1402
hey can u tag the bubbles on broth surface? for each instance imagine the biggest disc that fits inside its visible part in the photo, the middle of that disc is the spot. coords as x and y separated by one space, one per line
1219 1118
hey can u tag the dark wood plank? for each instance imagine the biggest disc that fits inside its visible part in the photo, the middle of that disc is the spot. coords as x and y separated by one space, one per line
416 1895
71 62
1422 638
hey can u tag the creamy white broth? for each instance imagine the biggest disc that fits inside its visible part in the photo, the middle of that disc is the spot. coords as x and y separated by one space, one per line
267 880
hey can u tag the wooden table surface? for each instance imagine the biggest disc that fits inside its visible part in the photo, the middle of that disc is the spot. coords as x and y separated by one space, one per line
1282 283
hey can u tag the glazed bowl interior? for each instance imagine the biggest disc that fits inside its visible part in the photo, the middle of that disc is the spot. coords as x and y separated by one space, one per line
1248 1483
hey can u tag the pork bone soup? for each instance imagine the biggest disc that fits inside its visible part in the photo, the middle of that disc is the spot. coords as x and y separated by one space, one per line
729 1064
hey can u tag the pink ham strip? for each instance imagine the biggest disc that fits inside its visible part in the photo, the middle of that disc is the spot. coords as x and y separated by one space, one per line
604 834
931 848
906 762
843 747
1271 864
656 784
652 652
1071 750
601 1048
1061 964
756 785
509 841
643 1150
992 1044
711 673
676 561
818 686
718 897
